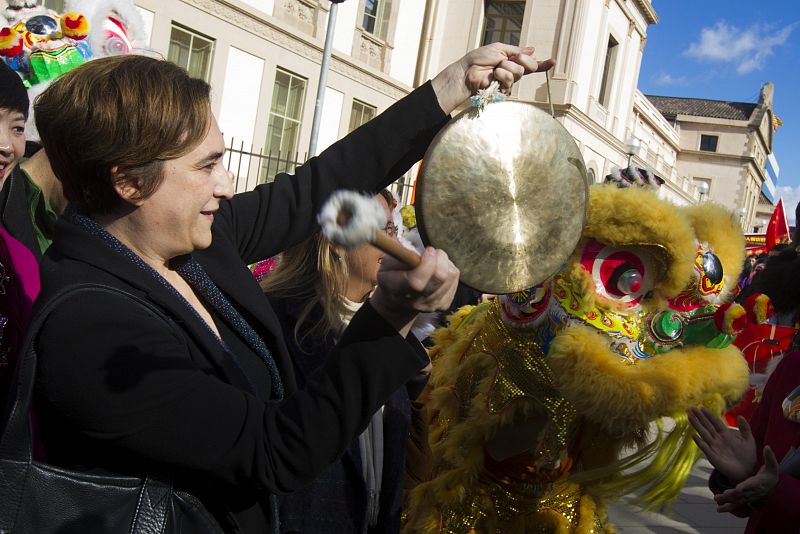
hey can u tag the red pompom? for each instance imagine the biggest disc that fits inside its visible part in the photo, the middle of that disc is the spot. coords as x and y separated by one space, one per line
10 42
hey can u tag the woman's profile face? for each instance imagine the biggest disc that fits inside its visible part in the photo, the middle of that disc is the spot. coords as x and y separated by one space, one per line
180 213
364 261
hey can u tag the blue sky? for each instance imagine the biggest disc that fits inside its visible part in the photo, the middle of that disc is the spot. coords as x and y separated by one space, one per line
726 50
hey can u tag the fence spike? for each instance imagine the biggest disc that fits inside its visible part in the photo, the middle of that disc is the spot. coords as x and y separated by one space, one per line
239 165
258 167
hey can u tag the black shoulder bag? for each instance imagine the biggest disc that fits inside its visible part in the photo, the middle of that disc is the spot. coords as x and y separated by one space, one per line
36 498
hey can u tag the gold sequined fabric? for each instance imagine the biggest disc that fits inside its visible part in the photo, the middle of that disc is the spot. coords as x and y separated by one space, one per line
518 372
522 371
490 507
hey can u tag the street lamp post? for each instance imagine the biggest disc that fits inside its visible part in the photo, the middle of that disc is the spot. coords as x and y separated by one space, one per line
742 213
632 148
703 189
323 77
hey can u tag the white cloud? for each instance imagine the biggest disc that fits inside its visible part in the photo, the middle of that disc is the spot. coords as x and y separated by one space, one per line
749 48
791 196
664 78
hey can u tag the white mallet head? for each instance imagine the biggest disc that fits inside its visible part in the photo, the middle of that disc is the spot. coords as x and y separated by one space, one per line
351 219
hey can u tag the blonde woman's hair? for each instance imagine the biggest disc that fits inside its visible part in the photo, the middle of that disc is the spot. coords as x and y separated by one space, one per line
314 271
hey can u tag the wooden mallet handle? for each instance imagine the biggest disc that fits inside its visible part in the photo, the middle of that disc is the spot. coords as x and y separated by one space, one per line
394 248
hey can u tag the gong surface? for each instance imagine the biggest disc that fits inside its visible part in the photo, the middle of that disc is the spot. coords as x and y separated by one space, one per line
504 192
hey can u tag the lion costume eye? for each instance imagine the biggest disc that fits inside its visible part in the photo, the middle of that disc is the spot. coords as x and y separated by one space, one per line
117 42
625 280
42 25
712 267
710 274
624 274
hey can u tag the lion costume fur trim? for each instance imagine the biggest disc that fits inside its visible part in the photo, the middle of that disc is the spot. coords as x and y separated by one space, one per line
593 378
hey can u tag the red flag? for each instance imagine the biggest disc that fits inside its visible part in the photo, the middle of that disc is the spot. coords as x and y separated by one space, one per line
778 227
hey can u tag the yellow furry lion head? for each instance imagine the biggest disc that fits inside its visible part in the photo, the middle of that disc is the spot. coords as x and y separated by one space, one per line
647 275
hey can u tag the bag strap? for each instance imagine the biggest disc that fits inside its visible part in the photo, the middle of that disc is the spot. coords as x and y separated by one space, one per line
151 508
15 444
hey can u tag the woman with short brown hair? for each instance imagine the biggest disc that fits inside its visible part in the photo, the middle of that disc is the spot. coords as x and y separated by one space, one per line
207 398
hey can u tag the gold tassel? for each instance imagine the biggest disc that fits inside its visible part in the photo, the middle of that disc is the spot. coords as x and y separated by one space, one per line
669 460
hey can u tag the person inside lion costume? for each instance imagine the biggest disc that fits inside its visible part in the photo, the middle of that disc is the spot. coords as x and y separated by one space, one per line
546 402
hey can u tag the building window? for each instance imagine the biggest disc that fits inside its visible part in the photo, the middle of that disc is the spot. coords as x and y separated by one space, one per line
285 114
360 114
708 143
376 17
191 51
608 71
503 21
55 5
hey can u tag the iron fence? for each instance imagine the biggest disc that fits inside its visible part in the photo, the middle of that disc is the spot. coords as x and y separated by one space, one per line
251 168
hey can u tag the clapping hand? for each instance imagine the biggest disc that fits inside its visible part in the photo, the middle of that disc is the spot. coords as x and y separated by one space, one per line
754 489
732 452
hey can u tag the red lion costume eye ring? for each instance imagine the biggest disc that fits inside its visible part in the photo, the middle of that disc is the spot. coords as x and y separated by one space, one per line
622 274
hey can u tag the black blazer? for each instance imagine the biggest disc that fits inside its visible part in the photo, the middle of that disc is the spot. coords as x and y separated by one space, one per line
119 391
336 500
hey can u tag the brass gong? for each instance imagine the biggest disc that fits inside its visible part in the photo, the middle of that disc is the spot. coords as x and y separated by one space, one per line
503 190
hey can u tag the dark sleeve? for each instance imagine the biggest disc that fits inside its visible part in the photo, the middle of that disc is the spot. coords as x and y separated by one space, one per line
419 458
783 501
780 383
277 215
126 381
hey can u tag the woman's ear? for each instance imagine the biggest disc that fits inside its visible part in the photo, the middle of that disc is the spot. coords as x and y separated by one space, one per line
338 252
127 187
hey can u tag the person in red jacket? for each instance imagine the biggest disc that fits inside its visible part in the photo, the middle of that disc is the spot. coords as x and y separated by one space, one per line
748 484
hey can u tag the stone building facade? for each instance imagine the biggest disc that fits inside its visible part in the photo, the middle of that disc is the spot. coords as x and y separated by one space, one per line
262 58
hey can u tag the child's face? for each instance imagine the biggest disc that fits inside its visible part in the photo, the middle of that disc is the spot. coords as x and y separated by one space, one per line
12 140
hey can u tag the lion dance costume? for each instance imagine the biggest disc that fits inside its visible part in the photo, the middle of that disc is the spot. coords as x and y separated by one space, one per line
41 44
544 402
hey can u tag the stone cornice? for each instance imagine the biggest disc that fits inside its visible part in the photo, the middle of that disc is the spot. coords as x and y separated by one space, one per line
587 122
649 13
632 22
699 119
717 155
269 31
735 158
